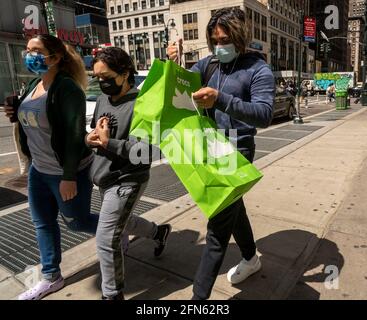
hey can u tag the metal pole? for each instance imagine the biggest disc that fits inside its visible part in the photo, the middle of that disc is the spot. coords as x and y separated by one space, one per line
135 57
298 119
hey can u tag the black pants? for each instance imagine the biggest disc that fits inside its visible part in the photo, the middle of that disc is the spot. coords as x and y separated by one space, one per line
232 220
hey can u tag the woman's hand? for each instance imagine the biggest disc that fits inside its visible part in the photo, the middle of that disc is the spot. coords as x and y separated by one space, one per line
173 50
205 97
103 131
68 190
92 139
9 111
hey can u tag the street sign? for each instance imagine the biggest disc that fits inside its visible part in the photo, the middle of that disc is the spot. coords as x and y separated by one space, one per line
309 29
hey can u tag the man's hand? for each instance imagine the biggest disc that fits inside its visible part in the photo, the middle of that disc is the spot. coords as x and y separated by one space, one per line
68 190
173 50
205 97
103 131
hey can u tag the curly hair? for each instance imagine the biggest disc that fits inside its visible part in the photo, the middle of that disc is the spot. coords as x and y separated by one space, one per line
117 60
233 21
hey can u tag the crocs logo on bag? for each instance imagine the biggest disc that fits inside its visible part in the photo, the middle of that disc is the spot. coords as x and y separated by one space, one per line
182 101
183 82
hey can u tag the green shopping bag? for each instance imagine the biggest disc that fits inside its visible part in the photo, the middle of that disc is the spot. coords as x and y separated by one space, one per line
164 100
212 170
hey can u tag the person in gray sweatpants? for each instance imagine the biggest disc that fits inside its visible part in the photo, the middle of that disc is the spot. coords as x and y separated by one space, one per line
120 178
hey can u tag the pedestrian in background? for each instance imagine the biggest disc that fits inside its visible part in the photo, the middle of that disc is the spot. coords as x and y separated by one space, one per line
51 132
238 93
121 182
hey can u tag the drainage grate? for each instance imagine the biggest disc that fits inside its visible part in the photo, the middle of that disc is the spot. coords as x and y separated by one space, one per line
18 243
164 184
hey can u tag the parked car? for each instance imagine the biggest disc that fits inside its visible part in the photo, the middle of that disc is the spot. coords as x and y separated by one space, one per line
355 92
94 91
284 104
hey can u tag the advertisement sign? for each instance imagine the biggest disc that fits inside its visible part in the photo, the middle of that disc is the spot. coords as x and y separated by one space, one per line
309 29
50 18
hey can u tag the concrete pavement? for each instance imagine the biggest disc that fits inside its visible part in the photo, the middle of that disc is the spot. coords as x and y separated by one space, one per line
308 212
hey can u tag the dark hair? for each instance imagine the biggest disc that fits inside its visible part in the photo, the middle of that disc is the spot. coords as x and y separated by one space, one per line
117 60
233 21
70 63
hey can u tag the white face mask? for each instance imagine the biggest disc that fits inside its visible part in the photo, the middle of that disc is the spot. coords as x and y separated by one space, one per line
226 53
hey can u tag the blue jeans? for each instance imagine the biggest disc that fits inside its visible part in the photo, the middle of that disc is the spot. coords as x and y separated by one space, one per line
45 204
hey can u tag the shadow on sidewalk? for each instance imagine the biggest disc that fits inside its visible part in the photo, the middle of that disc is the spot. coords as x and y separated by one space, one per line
9 197
155 279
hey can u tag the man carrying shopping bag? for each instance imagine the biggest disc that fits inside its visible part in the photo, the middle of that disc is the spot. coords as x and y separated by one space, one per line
238 94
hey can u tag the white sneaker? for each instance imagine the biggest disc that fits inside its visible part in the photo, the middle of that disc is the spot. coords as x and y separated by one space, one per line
243 270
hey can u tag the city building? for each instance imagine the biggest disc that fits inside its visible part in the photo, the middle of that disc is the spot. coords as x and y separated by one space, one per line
13 37
192 17
284 33
91 21
139 27
333 56
356 35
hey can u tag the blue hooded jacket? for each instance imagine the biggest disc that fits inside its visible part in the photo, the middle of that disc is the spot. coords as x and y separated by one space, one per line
246 96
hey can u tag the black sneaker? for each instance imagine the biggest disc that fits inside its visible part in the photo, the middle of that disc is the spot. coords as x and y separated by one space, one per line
161 238
120 296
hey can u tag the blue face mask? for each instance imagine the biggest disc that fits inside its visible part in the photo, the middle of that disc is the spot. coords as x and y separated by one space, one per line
36 63
225 53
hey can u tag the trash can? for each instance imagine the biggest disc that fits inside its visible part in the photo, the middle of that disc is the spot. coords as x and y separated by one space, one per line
341 100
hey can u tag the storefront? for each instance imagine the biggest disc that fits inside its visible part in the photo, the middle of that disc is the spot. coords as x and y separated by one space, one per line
13 39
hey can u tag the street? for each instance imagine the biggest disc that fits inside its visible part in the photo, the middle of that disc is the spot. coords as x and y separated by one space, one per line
14 187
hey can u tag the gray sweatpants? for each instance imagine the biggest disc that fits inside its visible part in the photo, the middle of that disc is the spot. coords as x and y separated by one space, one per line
115 218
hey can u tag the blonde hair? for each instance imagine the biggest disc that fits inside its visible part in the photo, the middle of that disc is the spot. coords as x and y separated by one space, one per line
71 62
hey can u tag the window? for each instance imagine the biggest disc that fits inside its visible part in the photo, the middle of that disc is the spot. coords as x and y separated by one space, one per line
145 21
154 20
122 42
120 24
116 41
114 25
137 23
264 23
143 4
160 18
152 3
128 24
190 26
161 2
112 9
257 17
135 6
127 7
249 13
118 9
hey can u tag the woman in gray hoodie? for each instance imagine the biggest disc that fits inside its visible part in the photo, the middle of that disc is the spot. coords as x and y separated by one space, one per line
116 169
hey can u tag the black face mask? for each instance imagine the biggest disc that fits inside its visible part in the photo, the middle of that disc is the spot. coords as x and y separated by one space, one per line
109 87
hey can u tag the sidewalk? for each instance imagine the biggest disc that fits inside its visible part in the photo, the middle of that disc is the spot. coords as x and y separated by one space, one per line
307 212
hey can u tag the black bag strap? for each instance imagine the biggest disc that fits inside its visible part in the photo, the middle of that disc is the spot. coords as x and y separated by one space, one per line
210 69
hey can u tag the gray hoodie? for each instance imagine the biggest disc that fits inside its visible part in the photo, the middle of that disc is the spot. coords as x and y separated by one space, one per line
113 165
